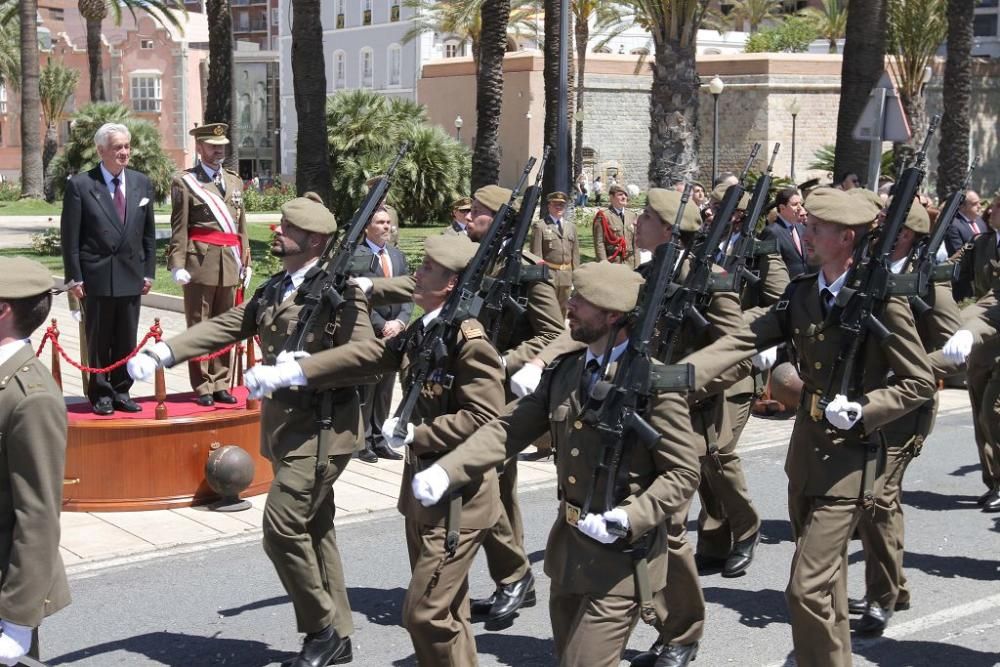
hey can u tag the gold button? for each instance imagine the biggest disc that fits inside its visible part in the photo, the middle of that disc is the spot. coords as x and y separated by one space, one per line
274 327
270 348
571 479
577 424
574 452
817 365
820 337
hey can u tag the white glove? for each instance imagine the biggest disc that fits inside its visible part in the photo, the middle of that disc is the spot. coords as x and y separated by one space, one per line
15 640
388 430
526 380
958 347
247 274
77 315
262 380
842 413
285 355
142 367
617 515
181 276
364 284
595 527
765 359
430 485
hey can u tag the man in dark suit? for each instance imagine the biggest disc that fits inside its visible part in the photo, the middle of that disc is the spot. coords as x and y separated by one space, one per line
966 226
788 230
388 322
109 256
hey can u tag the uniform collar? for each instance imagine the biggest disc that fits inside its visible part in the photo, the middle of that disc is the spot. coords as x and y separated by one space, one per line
8 350
209 171
300 275
429 317
834 287
616 352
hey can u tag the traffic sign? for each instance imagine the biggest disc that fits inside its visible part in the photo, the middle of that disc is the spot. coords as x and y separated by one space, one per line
886 124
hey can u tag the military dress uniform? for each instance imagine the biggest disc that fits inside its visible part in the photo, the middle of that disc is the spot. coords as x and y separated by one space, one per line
614 236
455 228
556 242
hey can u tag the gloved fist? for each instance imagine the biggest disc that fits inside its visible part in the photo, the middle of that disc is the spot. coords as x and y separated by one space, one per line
430 485
958 347
526 380
389 433
286 355
247 275
15 640
595 527
263 380
617 518
181 276
142 367
765 359
842 413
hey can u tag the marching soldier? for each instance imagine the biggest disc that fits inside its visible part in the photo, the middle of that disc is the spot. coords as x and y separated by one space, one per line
614 230
436 606
299 534
599 587
209 253
461 209
32 460
555 241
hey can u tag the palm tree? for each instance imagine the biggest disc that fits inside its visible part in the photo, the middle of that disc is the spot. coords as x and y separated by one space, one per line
755 12
489 92
830 21
219 105
462 19
55 86
550 75
95 11
864 60
312 161
953 159
10 48
31 108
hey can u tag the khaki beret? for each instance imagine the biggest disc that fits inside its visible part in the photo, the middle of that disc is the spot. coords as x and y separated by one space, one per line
666 202
558 197
615 189
21 277
836 206
452 252
213 133
462 204
720 191
309 215
608 286
492 196
870 198
917 219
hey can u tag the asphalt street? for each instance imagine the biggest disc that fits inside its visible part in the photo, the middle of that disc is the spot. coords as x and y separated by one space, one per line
225 606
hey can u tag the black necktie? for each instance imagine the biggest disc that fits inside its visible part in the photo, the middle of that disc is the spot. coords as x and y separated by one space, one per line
286 284
587 379
827 299
219 183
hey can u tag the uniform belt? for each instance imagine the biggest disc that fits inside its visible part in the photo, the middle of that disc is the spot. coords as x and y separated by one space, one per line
572 513
214 237
559 267
306 399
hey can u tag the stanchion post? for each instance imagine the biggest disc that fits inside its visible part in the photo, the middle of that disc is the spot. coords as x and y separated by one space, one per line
252 403
160 378
56 368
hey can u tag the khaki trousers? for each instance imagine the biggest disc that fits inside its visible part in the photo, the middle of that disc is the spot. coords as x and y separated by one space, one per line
591 631
202 302
983 383
504 542
680 603
301 541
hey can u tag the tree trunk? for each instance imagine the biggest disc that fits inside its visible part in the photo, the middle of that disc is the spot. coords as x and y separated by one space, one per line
550 72
673 111
489 92
312 158
953 154
95 58
49 152
864 62
582 31
31 105
219 105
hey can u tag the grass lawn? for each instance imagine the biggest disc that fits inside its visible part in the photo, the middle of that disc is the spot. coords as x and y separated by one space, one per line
40 207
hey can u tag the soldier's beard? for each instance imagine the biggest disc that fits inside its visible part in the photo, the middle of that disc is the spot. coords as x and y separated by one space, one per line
586 333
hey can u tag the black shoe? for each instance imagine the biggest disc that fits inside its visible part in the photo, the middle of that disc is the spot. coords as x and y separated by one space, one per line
324 648
126 405
386 452
857 606
104 407
993 504
741 556
874 621
223 396
368 455
648 658
985 498
482 606
708 564
511 597
205 400
677 655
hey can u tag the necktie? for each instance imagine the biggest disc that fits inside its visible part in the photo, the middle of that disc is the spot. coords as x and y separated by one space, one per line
383 258
559 226
119 199
219 184
796 240
587 379
826 300
286 287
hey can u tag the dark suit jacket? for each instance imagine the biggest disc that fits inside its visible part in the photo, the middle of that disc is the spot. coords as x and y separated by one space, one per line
960 232
382 314
110 258
795 262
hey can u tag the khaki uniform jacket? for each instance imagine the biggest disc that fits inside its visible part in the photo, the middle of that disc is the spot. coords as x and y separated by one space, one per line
623 226
287 429
208 264
32 463
774 279
454 230
445 418
559 249
822 460
985 263
660 479
982 319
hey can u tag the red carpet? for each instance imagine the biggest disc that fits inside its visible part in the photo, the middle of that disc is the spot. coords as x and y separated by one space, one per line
178 405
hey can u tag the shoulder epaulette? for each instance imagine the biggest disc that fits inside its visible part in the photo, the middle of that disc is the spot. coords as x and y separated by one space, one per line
471 329
30 379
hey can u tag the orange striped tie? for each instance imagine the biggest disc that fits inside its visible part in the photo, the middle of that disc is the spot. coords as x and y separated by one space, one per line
383 258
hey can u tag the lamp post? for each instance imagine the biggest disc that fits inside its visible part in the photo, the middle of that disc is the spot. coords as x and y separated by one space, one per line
458 128
715 86
793 108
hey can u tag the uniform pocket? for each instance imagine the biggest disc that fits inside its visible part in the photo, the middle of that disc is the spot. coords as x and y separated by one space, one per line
558 428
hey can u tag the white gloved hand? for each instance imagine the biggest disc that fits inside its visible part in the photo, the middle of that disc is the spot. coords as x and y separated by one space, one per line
388 432
362 283
247 275
594 527
842 413
181 276
15 641
285 355
77 315
430 485
526 380
958 347
262 380
765 359
617 515
142 367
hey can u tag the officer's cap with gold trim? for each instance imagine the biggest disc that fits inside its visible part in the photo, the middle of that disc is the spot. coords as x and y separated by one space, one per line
462 204
720 191
492 196
212 133
666 202
452 252
557 198
608 286
309 215
836 206
21 277
917 219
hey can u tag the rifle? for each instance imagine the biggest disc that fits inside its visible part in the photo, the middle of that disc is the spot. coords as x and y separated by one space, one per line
748 246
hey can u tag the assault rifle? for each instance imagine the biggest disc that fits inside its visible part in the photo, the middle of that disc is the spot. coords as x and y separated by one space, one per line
748 246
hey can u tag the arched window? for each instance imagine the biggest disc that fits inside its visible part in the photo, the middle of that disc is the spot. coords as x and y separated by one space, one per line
395 65
339 70
367 68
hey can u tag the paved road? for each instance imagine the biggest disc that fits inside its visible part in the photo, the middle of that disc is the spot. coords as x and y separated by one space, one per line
225 606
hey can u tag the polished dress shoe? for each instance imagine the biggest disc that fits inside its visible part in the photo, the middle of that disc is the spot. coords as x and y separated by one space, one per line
104 407
368 455
648 658
985 498
511 597
126 405
205 400
223 396
386 452
677 655
993 504
858 606
741 556
324 648
874 621
482 606
708 564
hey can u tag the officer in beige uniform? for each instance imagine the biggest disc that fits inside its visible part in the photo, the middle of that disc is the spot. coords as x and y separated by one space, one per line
299 534
595 599
554 240
32 460
614 230
826 461
461 210
209 252
459 397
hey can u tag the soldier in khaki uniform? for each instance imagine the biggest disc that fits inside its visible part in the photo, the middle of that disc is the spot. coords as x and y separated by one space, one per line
826 459
299 534
614 230
554 240
594 602
436 606
209 252
32 460
461 210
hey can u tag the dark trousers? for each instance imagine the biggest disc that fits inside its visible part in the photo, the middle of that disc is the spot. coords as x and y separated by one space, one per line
111 323
376 399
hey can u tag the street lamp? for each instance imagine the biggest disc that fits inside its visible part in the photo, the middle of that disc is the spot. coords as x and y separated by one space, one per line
458 128
793 108
715 86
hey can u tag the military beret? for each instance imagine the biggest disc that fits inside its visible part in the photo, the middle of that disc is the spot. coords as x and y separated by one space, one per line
309 215
917 219
492 196
666 202
212 133
608 286
836 206
615 189
720 191
558 197
452 252
869 198
21 277
462 204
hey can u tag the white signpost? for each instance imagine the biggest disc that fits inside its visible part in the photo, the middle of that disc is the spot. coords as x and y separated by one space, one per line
882 120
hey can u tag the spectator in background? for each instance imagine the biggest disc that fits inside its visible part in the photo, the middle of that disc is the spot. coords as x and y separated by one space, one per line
847 181
788 230
963 230
598 190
